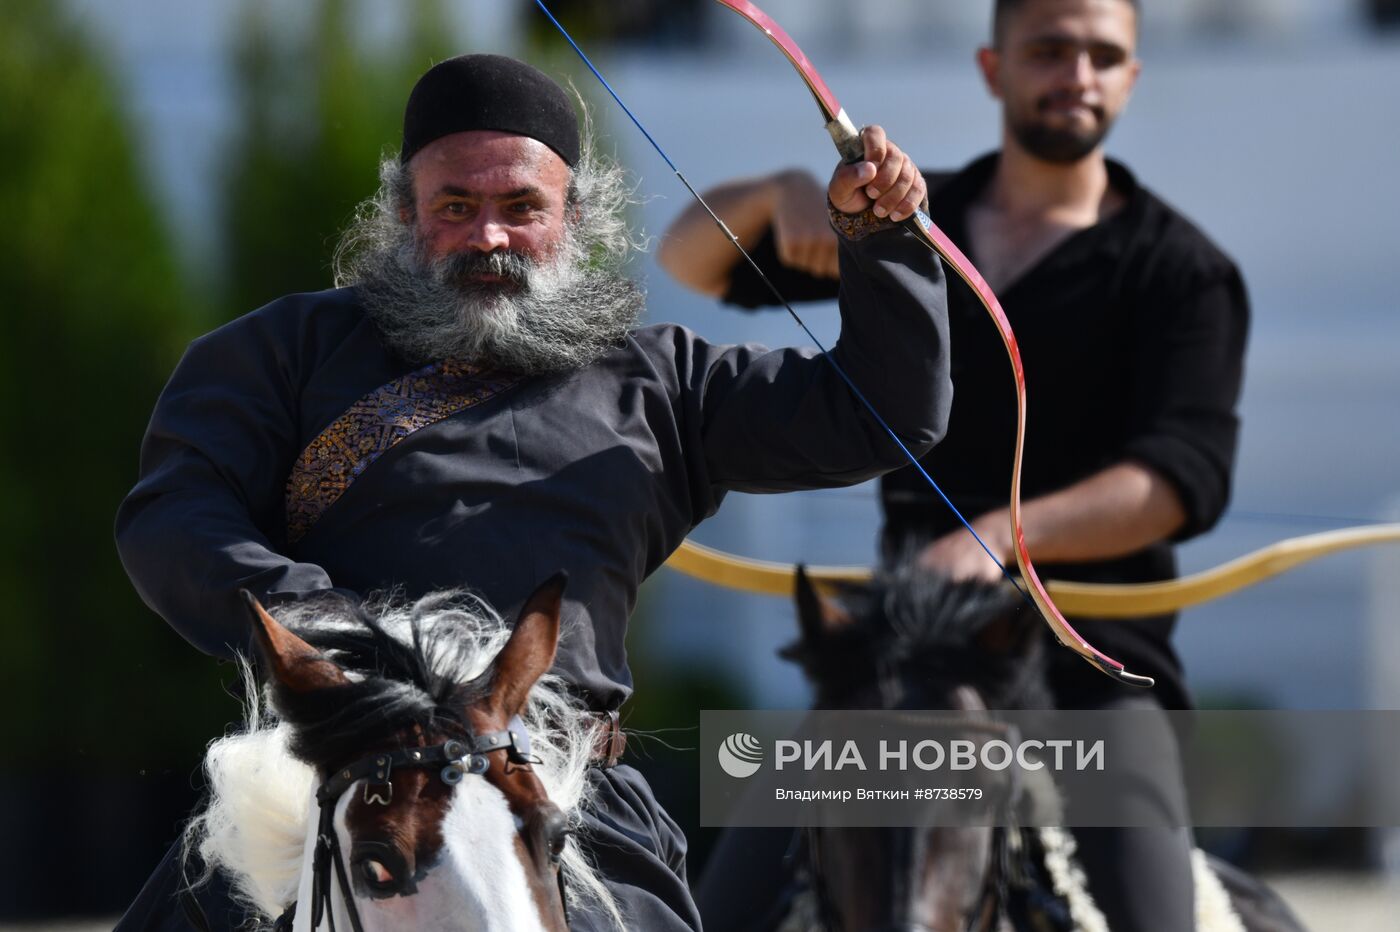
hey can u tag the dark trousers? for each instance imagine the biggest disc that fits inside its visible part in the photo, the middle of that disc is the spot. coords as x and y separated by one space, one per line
1141 877
636 847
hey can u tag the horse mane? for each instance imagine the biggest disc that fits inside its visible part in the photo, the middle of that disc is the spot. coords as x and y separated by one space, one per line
910 620
410 663
416 665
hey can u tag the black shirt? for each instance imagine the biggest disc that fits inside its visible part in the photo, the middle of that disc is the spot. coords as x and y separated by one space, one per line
1132 333
601 471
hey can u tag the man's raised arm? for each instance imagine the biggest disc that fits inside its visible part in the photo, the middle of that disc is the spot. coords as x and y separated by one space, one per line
785 419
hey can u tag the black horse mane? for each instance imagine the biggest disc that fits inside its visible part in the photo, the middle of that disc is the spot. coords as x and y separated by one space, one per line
912 624
395 684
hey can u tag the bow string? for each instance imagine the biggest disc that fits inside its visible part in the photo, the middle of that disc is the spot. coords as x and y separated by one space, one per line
849 144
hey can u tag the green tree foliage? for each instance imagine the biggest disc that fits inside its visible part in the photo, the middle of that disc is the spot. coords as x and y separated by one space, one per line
316 112
95 315
594 22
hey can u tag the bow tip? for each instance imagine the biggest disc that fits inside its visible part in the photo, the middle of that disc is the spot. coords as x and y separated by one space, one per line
1123 676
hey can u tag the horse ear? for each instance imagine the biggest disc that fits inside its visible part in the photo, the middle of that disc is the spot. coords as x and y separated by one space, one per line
529 653
817 616
290 661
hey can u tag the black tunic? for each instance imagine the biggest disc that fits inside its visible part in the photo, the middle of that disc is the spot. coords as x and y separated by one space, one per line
1132 333
601 471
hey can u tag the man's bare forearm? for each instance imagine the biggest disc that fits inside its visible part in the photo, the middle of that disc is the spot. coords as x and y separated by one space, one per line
1112 513
1115 512
697 254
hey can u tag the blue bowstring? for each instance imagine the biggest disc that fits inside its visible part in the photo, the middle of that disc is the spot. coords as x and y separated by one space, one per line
604 81
913 460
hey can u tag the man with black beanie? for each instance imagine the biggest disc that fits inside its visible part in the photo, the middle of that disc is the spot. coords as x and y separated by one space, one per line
477 407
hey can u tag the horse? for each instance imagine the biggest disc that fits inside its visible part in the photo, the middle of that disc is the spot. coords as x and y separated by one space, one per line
914 640
405 766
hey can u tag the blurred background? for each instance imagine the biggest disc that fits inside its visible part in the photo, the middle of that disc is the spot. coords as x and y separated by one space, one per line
166 166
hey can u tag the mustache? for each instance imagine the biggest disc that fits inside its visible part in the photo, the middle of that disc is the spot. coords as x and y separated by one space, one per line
466 269
1057 98
530 314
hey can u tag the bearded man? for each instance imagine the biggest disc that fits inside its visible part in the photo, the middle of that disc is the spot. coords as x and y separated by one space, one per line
1132 325
477 407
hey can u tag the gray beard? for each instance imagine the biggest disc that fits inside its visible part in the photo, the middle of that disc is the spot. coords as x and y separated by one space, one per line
558 315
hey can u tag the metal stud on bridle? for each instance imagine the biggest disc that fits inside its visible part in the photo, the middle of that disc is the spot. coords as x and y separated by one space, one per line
456 758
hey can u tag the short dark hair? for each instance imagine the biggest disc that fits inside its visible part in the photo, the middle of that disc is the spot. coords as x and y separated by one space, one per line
1002 9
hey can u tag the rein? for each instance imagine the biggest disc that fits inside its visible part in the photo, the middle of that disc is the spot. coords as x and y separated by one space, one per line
454 759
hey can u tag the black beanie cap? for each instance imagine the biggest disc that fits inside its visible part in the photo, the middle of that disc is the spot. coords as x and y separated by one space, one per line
472 92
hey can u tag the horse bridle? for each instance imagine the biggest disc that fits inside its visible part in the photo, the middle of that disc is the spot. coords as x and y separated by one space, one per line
993 893
455 759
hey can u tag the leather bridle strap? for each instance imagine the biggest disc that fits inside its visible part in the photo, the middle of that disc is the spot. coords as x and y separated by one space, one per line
993 891
456 758
328 850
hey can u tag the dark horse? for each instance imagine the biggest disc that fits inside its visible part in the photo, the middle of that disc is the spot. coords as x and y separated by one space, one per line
914 641
911 640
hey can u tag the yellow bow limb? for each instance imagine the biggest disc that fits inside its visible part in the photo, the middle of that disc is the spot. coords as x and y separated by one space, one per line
1086 600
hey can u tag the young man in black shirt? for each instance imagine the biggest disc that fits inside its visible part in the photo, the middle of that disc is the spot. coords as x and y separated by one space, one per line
1132 327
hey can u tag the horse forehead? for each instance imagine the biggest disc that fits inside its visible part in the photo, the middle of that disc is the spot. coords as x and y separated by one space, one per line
478 805
412 820
483 855
475 883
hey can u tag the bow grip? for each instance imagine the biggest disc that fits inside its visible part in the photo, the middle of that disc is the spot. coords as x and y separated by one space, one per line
847 138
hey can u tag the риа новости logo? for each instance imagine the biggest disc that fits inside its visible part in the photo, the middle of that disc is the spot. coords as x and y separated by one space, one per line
740 755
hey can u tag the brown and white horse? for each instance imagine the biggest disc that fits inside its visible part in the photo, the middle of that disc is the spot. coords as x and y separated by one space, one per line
418 768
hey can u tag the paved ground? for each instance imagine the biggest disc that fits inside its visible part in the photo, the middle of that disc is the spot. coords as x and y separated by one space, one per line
1325 902
1342 902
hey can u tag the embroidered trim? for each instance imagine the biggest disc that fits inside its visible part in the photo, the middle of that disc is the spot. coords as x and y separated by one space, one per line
858 226
373 426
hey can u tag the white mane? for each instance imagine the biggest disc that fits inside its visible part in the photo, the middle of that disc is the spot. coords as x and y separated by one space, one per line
254 825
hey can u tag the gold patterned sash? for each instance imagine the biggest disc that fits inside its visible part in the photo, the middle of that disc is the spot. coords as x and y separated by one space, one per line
374 425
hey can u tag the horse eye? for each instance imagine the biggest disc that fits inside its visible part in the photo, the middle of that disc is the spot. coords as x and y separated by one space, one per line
556 845
556 834
376 874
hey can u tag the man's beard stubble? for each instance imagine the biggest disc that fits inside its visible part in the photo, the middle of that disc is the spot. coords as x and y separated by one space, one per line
1058 146
555 314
